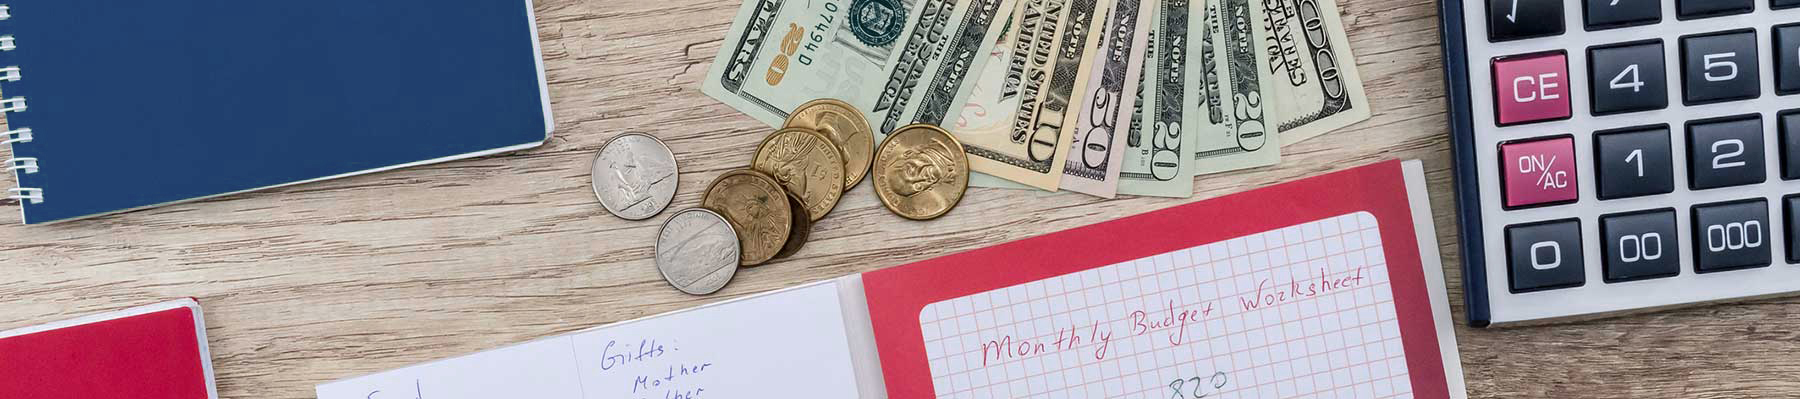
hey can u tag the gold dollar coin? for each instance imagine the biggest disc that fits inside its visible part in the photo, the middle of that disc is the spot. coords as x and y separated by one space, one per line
846 127
801 231
920 172
806 164
757 208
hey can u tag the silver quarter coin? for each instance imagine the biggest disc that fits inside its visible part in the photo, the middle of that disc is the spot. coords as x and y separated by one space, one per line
697 251
635 176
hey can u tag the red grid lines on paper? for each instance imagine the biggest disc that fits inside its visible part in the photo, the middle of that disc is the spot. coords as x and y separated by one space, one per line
1336 342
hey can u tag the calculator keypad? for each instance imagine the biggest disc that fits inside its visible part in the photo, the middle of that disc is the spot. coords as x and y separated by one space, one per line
1787 59
1607 14
1718 67
1732 235
1640 245
1790 210
1725 152
1690 9
1638 153
1545 256
1788 124
1524 19
1539 172
1634 162
1531 88
1627 78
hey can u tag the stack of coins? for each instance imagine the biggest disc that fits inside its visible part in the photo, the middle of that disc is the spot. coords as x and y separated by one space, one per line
796 178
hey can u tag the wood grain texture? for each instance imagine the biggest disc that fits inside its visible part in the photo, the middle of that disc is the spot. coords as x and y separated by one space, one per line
308 284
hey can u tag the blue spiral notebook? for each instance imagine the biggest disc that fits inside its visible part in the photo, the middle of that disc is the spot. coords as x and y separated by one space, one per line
115 105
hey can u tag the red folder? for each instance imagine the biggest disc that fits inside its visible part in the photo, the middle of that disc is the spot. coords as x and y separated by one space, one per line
151 352
1390 192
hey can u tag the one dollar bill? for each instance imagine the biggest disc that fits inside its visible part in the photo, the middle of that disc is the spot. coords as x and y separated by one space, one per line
891 59
1315 80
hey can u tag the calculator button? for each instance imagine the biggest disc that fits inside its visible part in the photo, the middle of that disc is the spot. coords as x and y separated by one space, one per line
1787 59
1640 245
1790 209
1605 14
1720 67
1731 235
1725 152
1545 255
1531 88
1780 4
1634 162
1539 172
1627 78
1688 9
1524 19
1788 124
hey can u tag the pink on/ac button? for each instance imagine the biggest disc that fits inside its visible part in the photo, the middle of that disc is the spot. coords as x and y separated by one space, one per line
1538 171
1531 88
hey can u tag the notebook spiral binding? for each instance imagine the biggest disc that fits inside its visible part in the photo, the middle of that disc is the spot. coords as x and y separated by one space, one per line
13 138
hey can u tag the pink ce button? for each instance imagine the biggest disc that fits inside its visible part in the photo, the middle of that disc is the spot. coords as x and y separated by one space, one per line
1531 88
1538 172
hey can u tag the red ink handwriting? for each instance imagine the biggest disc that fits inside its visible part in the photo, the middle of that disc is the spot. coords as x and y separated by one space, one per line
1006 348
1270 294
1141 323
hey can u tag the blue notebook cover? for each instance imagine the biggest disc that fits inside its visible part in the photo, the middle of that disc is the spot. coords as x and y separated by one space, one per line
135 103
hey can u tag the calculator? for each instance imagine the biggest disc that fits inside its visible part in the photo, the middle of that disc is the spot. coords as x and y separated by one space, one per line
1623 155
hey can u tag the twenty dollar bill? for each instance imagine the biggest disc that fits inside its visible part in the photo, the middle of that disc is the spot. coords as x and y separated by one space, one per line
1155 162
891 59
1316 84
1235 132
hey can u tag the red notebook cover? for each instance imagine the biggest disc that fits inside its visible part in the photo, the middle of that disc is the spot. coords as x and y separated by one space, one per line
151 352
1110 302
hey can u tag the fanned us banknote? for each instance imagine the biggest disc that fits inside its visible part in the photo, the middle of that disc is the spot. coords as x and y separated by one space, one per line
1316 84
1105 99
1028 148
993 99
1155 161
897 61
1234 130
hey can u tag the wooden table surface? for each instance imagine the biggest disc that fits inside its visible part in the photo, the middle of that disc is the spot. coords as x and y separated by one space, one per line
308 284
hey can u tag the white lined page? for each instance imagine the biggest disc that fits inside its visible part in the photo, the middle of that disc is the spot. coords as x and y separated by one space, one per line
770 345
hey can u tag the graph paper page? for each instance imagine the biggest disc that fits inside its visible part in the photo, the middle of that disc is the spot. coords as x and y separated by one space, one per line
1300 311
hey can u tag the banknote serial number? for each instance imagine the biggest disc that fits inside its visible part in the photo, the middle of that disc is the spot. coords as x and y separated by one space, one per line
796 40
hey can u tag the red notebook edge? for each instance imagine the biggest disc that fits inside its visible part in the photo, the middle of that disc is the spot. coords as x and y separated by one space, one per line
1390 189
191 309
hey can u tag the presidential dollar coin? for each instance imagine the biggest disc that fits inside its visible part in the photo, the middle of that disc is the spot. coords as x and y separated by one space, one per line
801 231
846 127
920 172
758 210
634 176
807 164
697 251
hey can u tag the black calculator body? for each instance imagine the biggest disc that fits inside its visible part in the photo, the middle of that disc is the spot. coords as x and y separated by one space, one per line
1622 155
